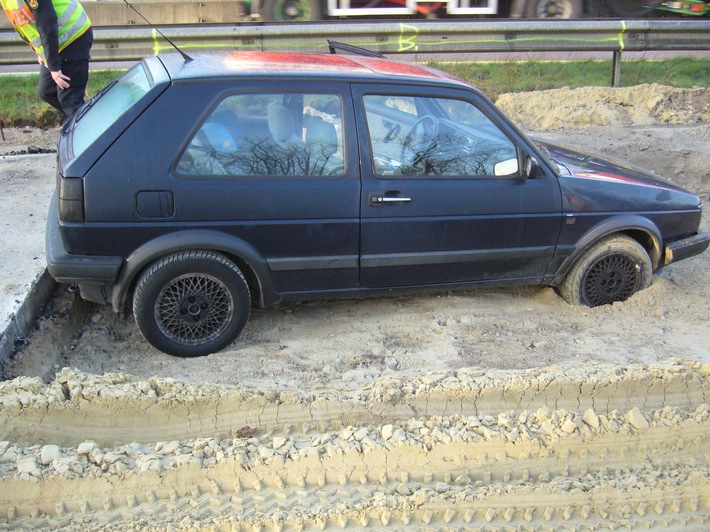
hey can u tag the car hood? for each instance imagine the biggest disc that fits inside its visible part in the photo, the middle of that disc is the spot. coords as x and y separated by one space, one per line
580 163
594 182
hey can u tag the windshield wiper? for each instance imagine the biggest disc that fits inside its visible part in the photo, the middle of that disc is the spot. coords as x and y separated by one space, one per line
88 105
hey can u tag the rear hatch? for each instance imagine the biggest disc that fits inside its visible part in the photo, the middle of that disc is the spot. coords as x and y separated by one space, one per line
97 124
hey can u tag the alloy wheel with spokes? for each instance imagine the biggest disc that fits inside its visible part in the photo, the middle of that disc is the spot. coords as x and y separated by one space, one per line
191 303
194 309
615 277
613 269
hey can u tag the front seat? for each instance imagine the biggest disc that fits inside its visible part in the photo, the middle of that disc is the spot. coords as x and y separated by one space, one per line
210 152
281 126
287 157
322 144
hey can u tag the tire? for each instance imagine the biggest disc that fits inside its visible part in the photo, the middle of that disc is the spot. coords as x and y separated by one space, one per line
555 9
291 10
191 303
611 270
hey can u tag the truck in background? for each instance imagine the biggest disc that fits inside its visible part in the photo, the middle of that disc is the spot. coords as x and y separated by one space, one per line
311 10
116 13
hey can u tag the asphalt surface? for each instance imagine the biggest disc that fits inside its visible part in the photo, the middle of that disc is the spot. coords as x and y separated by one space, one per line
27 183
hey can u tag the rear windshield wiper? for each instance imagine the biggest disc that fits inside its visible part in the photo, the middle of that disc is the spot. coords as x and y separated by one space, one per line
88 105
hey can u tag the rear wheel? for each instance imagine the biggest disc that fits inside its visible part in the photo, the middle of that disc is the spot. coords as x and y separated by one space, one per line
555 9
611 270
191 303
291 10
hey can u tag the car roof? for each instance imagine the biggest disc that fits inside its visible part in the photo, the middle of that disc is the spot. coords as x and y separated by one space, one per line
287 64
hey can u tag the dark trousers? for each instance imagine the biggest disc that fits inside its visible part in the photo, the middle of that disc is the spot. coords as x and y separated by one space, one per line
65 100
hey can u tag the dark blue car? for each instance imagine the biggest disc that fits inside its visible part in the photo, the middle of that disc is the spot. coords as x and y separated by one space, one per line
193 190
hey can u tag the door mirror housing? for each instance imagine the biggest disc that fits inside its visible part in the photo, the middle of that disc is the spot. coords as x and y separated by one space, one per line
532 168
506 168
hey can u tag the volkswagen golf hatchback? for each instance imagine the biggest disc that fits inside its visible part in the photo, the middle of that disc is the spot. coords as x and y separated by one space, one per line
189 191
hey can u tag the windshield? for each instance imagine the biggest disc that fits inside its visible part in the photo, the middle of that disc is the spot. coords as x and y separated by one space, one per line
97 115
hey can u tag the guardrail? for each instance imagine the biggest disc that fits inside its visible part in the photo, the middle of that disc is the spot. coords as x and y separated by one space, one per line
411 36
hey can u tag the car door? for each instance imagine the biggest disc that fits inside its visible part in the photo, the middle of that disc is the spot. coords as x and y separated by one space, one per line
271 165
443 198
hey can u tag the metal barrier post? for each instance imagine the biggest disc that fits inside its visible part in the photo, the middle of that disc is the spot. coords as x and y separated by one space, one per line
616 69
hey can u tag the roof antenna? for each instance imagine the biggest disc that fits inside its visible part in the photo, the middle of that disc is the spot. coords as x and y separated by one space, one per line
186 57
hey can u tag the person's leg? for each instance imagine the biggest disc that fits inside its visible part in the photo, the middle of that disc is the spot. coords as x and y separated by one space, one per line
73 97
47 88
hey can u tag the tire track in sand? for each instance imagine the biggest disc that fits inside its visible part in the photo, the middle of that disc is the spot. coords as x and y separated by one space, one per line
581 448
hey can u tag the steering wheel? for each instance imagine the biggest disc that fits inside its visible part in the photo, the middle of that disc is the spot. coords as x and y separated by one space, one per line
419 139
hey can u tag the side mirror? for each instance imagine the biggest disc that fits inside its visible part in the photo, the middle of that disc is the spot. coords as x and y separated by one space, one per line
532 168
506 168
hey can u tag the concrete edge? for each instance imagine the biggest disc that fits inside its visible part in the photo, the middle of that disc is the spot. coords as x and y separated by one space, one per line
22 322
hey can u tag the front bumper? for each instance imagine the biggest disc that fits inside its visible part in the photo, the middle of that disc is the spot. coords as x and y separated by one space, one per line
75 269
688 247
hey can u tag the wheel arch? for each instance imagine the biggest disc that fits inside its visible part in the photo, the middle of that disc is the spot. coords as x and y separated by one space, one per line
252 265
641 229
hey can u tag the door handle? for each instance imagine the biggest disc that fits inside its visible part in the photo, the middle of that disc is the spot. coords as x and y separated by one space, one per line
376 199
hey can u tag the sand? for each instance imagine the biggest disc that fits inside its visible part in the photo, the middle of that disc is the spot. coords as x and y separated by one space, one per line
488 408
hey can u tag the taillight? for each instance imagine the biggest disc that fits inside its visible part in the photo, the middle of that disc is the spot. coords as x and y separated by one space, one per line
71 199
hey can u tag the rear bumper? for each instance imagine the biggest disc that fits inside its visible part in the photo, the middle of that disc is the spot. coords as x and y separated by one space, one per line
75 269
688 247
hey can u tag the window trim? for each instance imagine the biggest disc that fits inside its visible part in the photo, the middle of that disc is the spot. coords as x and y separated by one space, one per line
360 90
256 87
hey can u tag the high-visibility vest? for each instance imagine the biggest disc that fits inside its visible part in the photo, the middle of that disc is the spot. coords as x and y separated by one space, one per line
72 22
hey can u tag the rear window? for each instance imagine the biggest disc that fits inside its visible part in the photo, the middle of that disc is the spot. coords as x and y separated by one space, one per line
107 106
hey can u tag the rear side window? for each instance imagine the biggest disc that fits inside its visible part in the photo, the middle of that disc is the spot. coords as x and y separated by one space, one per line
280 134
106 107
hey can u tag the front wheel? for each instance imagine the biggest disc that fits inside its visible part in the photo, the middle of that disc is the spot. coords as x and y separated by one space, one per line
191 303
555 9
291 10
611 270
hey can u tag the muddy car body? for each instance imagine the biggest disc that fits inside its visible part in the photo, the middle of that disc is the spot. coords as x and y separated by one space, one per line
192 190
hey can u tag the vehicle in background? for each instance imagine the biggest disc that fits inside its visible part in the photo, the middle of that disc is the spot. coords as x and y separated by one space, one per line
688 7
179 12
312 10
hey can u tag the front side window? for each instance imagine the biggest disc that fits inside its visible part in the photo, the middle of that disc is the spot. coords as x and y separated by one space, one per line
423 136
284 134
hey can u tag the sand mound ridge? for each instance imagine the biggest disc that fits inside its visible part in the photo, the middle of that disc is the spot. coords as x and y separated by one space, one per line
642 105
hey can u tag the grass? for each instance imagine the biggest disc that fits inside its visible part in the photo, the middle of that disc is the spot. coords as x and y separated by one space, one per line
497 78
20 106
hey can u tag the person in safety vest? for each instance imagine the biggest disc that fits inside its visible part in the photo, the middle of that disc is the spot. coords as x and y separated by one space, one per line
59 31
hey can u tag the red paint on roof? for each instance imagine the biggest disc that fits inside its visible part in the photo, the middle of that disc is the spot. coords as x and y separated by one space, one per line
277 61
254 62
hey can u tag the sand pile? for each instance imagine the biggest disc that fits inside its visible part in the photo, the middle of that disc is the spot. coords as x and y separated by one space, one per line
643 105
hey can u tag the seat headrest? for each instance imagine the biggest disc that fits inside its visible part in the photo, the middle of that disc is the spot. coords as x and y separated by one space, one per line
219 138
323 134
280 121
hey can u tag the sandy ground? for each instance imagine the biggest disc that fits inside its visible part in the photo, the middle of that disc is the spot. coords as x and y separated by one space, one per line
485 408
